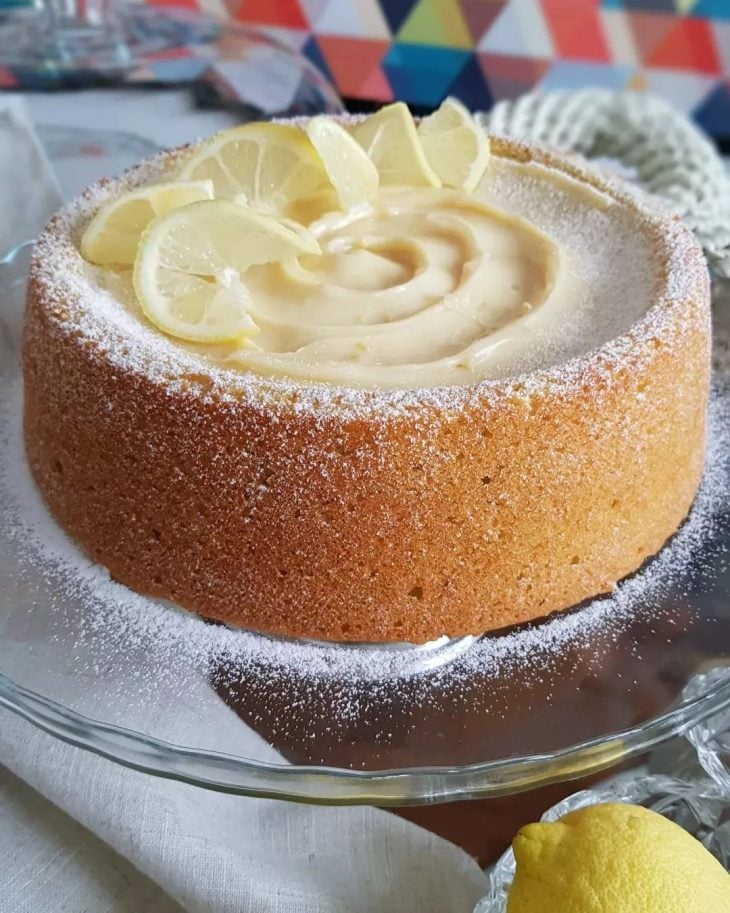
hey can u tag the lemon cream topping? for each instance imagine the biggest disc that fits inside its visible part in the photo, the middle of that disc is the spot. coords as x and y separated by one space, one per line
417 288
373 254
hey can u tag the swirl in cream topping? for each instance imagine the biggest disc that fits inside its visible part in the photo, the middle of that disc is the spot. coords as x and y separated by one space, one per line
418 288
428 287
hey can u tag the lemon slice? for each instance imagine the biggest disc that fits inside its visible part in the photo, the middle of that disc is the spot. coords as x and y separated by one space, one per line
269 166
113 234
187 275
391 140
352 174
455 145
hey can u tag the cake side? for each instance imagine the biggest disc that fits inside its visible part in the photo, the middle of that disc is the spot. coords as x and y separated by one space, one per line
375 517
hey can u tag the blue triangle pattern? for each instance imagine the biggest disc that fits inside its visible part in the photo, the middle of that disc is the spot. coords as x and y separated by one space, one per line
470 87
395 12
423 74
312 52
713 115
643 6
712 9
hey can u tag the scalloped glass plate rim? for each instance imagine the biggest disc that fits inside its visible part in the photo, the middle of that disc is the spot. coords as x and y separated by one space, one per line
397 786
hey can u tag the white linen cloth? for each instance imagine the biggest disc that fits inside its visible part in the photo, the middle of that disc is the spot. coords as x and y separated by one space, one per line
132 843
79 833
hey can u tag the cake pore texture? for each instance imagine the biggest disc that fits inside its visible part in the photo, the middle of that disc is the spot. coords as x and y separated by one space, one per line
336 513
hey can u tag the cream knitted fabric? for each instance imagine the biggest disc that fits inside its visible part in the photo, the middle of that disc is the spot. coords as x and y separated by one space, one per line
670 156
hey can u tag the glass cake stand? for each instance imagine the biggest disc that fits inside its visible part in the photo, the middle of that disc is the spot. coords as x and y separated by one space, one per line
162 691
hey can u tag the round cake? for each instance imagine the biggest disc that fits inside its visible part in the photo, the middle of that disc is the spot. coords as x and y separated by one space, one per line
466 412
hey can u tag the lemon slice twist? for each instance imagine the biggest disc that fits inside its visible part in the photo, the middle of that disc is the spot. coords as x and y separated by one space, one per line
187 275
269 166
455 146
113 234
349 169
391 141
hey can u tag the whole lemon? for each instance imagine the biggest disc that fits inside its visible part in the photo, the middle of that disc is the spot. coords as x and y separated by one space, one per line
615 859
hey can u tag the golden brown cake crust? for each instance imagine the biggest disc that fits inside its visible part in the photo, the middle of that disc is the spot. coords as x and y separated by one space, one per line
370 515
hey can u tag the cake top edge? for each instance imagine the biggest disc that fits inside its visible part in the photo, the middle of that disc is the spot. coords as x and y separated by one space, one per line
78 307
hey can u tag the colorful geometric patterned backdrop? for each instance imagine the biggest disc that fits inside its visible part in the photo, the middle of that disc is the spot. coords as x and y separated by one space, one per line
485 50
